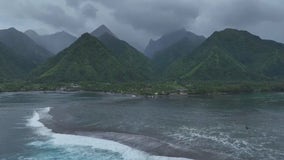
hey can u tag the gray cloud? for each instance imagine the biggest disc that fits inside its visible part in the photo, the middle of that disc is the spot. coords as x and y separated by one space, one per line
249 12
203 17
57 17
89 10
136 21
73 3
157 17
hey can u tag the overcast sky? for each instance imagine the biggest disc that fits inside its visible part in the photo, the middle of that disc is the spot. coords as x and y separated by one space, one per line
136 21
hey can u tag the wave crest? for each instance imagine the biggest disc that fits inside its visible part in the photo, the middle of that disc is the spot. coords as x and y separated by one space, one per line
57 139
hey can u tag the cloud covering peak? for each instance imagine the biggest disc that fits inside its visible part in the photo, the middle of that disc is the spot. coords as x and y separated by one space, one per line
139 20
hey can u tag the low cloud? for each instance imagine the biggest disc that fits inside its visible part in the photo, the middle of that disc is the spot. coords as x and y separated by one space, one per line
136 21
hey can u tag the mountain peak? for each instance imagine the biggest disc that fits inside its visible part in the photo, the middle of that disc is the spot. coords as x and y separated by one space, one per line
54 42
181 30
103 27
24 47
31 33
12 29
87 59
178 32
101 30
232 55
85 35
170 39
233 33
61 32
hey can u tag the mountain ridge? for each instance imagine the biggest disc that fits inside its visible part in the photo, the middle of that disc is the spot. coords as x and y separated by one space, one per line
137 65
24 47
87 59
101 30
243 47
55 42
10 66
167 40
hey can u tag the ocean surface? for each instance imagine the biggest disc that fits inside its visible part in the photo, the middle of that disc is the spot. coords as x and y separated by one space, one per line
99 126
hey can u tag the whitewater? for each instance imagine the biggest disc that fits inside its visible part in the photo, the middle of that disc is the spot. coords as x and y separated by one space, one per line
69 141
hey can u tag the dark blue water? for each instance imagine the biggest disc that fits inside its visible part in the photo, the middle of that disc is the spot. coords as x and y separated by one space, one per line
83 125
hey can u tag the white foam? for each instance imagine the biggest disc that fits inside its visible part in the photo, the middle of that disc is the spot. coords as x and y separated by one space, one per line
127 152
188 135
35 123
34 120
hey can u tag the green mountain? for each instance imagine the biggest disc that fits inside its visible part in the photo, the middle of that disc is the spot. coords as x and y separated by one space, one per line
87 59
231 55
24 48
218 66
10 66
165 57
136 65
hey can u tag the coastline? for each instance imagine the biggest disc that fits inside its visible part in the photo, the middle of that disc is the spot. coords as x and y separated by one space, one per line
183 135
149 89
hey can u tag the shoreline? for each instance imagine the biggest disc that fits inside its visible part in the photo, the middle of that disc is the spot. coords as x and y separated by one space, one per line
151 89
134 94
107 133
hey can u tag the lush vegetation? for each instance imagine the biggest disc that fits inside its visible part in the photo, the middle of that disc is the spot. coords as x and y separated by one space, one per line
152 89
10 66
89 60
85 60
229 61
28 52
136 65
231 55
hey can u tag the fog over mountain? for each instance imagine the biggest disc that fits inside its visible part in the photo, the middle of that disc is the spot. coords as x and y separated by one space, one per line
170 39
55 42
101 31
137 21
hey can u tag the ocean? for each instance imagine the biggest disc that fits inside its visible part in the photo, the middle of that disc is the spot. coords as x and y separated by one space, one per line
102 126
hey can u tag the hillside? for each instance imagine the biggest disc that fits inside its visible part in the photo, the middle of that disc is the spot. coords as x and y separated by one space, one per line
10 66
163 59
24 48
85 60
231 55
136 65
